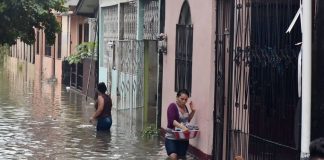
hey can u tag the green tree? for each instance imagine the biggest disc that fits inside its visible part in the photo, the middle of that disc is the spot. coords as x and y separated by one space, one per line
18 18
83 50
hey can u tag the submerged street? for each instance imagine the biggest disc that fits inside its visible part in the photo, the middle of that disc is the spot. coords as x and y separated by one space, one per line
43 120
243 83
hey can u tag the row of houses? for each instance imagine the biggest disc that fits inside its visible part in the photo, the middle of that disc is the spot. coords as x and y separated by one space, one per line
232 55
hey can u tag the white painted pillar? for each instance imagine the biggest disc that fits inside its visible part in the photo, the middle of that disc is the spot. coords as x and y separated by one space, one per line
306 76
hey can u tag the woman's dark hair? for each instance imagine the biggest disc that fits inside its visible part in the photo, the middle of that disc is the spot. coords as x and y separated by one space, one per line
316 148
102 87
183 91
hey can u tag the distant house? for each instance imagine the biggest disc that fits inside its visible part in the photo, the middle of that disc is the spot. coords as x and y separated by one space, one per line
82 76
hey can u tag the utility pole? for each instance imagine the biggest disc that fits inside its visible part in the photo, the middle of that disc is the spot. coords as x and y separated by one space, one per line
306 76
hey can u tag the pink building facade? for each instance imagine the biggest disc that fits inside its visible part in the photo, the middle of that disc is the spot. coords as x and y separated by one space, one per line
254 106
49 58
199 16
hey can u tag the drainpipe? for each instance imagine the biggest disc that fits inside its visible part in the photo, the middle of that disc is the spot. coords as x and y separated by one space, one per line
160 66
69 35
68 43
139 37
230 93
42 52
53 63
306 77
140 20
218 113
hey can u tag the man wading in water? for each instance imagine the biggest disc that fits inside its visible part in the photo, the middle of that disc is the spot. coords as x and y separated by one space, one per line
103 109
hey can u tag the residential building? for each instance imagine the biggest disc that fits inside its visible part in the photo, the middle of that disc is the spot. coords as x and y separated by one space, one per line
189 63
128 51
240 66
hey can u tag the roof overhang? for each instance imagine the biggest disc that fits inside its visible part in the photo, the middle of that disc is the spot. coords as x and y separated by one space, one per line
87 8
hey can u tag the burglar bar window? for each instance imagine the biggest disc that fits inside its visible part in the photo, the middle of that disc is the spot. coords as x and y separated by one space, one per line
59 45
33 60
37 42
86 32
48 49
183 58
30 54
80 33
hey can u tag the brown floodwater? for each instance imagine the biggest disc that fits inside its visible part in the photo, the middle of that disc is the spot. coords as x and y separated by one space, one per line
43 120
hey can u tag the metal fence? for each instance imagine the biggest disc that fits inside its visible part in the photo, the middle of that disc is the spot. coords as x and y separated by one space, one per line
151 19
263 115
130 67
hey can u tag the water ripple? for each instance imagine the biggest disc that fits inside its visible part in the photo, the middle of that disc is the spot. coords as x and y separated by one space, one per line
42 121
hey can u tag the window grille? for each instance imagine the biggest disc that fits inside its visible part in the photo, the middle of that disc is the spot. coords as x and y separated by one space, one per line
59 47
48 49
183 58
86 32
80 33
37 42
183 67
151 19
128 21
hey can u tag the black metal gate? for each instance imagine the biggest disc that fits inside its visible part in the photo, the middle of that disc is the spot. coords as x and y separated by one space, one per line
261 114
72 74
66 70
222 45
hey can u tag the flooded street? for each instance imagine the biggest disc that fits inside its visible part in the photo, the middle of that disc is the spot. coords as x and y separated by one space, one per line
43 120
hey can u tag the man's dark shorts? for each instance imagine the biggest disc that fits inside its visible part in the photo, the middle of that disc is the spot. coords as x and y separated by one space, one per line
104 124
179 147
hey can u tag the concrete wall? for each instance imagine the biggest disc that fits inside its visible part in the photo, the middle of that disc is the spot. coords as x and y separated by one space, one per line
44 64
47 67
39 56
202 15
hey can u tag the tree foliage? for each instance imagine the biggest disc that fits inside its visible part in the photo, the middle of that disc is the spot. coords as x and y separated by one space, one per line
83 50
4 51
18 18
150 131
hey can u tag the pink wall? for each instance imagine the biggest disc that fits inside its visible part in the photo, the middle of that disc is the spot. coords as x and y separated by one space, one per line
38 57
75 21
46 66
47 60
203 20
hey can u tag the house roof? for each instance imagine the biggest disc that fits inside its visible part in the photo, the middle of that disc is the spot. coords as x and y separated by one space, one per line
87 7
72 2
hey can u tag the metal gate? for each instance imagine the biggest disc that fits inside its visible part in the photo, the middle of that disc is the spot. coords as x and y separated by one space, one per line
110 34
224 14
261 116
76 75
130 68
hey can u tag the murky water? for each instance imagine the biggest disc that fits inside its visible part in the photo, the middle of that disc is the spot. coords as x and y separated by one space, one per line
40 120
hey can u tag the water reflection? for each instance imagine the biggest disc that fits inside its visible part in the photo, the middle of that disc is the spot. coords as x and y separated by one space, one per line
40 120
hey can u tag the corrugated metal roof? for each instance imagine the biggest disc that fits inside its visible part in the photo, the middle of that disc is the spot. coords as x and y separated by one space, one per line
72 2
